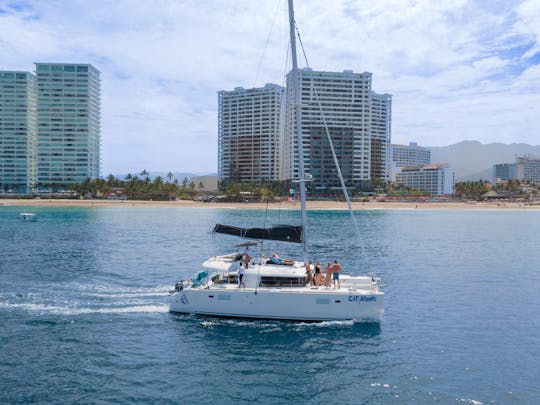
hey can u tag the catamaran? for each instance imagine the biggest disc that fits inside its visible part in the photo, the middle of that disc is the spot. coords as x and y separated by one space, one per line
259 285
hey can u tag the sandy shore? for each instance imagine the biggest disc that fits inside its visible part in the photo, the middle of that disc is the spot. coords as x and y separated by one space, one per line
312 205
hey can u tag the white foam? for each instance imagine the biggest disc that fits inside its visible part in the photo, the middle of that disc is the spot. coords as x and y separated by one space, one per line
271 330
127 295
58 310
471 401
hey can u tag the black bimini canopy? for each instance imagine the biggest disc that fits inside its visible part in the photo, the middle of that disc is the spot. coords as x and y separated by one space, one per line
285 233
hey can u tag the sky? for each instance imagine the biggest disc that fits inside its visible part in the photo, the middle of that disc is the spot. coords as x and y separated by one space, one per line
457 69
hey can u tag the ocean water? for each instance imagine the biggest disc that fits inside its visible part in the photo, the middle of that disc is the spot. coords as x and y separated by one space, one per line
83 314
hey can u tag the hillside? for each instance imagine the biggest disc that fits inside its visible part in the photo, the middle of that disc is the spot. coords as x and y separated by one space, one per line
473 160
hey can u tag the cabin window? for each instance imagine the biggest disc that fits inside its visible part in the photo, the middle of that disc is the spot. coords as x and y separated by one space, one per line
282 281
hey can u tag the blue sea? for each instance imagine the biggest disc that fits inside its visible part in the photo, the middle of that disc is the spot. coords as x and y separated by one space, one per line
84 319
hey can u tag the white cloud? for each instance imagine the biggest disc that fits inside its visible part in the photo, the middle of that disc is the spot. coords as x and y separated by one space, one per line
529 24
457 69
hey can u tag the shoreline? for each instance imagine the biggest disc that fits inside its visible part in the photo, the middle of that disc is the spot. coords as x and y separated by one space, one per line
311 205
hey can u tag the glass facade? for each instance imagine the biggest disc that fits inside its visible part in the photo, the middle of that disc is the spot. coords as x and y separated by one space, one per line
358 120
17 131
69 123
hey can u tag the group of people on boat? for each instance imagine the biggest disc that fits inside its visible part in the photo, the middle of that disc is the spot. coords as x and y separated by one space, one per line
315 276
314 272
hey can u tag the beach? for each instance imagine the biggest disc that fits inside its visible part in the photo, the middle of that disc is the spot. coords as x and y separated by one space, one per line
311 205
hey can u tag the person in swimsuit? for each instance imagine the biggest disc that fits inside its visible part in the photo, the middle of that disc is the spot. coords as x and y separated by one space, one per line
336 269
318 274
328 271
309 273
246 259
275 259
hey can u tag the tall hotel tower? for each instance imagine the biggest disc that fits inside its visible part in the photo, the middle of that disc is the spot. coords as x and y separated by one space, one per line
17 131
380 136
347 104
69 109
249 134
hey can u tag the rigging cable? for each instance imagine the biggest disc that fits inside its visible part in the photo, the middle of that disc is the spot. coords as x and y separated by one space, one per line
261 59
336 162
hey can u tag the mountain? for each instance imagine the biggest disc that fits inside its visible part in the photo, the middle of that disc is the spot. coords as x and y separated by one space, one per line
473 160
176 175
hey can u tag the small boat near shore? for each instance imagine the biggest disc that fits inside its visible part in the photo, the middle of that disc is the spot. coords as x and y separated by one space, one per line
28 217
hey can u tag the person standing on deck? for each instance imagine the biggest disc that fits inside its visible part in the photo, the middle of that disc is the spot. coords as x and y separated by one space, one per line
336 269
241 272
309 273
318 274
328 272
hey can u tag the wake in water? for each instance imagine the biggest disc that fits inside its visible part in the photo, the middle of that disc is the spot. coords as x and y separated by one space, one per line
270 326
82 299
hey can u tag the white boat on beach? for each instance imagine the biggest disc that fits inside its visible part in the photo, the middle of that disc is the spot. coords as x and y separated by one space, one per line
28 217
247 284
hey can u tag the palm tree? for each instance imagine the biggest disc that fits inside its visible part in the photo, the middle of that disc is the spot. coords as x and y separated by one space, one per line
147 176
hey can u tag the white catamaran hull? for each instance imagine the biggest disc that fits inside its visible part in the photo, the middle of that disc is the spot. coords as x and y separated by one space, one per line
308 305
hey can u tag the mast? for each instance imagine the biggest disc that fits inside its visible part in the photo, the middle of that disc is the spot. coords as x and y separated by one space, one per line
299 140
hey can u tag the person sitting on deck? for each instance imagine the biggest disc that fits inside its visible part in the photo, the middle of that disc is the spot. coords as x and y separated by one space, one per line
275 259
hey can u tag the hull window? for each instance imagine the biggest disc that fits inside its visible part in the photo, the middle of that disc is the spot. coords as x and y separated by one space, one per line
322 301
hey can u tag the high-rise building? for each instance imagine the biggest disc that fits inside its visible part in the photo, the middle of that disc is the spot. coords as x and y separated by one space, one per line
410 155
17 131
434 179
504 171
69 119
249 143
342 103
526 168
380 136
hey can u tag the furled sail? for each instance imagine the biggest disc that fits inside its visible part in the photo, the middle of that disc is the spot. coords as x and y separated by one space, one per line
286 233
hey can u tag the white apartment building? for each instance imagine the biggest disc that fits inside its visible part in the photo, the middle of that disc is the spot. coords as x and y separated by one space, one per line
410 155
69 122
525 169
249 143
528 169
17 131
434 179
342 101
